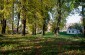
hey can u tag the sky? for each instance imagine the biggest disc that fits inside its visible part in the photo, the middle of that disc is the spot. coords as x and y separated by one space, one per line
75 18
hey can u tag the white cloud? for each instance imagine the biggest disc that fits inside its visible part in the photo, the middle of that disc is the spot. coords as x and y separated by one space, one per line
74 19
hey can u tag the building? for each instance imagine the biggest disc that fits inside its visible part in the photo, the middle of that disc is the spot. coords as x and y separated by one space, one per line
73 31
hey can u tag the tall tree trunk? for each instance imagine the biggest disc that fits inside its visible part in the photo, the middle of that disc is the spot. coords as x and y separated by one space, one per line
34 29
59 18
43 26
23 26
84 30
43 29
12 18
35 24
3 22
12 27
18 23
83 15
56 30
58 23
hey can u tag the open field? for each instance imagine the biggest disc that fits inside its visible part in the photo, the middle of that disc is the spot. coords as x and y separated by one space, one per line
42 45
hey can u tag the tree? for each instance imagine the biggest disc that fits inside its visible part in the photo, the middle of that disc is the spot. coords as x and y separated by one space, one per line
5 13
24 16
34 6
59 16
46 6
12 16
83 15
80 3
38 14
59 13
17 13
18 22
1 14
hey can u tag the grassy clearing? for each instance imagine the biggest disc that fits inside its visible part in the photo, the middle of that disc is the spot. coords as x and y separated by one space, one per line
42 45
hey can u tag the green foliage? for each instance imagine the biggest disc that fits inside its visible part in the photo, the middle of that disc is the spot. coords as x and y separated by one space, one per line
59 13
36 11
7 8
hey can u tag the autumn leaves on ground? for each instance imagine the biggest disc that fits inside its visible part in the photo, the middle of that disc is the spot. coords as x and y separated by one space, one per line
41 45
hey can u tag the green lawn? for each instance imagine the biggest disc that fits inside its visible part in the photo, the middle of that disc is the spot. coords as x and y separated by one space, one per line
42 45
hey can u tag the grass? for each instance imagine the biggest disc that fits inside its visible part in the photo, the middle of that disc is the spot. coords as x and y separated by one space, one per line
42 45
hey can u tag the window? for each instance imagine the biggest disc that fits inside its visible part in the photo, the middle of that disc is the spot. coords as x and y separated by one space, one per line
72 31
69 31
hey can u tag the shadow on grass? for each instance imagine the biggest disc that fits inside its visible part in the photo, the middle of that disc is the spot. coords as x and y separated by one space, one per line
40 46
1 35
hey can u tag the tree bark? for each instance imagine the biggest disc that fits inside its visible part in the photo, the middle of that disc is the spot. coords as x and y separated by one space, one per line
3 22
43 29
59 18
12 18
34 29
18 23
84 30
12 27
56 31
23 26
83 15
